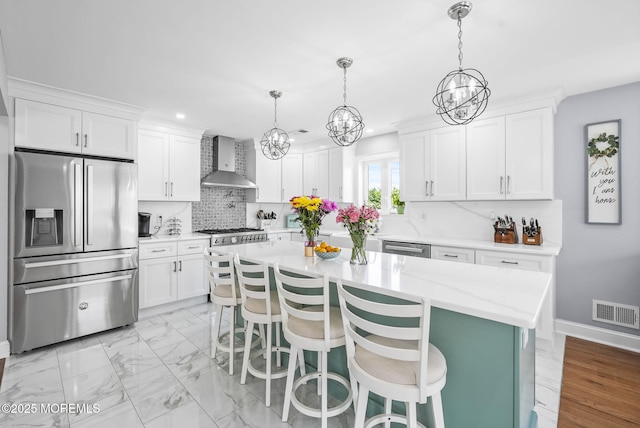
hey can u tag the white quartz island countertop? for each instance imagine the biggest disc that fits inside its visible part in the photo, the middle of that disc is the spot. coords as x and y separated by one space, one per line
509 296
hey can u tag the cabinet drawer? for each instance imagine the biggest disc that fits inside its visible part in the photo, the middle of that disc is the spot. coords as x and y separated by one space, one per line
516 261
158 249
192 247
453 254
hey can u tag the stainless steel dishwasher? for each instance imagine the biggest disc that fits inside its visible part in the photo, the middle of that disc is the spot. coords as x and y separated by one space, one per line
407 248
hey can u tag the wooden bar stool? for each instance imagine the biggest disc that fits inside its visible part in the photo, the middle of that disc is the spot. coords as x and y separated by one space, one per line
309 323
260 306
224 293
395 362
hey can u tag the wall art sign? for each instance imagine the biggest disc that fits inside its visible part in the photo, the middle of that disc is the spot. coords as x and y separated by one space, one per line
603 172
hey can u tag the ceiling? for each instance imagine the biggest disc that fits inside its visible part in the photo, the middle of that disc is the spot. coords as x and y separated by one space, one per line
216 61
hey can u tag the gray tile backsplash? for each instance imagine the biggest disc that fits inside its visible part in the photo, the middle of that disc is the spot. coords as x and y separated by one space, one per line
219 207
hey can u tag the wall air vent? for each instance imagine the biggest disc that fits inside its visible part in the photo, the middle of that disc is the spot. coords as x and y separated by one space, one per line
616 313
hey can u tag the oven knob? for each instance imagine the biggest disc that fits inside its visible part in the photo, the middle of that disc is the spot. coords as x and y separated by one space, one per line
216 241
234 239
223 240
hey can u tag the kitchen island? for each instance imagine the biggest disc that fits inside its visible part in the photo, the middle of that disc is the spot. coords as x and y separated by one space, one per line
483 320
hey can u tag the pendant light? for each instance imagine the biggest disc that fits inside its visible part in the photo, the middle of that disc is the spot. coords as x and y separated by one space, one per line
345 123
463 94
275 142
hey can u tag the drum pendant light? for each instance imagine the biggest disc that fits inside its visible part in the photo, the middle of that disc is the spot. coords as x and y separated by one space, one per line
345 123
275 142
463 94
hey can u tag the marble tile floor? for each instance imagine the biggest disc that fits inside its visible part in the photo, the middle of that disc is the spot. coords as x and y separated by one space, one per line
158 373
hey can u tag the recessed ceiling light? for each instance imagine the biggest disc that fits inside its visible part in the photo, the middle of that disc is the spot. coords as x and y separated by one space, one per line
179 115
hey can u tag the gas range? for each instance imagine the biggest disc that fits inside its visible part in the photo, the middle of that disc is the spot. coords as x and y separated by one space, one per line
241 235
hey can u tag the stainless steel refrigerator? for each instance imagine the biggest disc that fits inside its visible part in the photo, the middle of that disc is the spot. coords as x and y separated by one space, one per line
75 259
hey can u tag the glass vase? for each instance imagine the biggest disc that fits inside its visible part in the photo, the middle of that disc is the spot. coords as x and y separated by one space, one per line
358 252
309 247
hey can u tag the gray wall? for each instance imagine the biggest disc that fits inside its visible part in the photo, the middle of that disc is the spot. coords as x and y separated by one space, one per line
597 261
219 207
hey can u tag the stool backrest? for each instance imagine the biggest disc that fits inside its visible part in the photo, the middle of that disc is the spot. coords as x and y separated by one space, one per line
406 320
305 298
253 279
220 270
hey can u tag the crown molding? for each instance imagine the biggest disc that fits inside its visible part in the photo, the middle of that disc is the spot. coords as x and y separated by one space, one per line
20 88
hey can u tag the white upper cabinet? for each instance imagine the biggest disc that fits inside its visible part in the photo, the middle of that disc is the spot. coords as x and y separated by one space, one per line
511 157
342 174
433 165
486 176
168 166
267 174
315 179
291 176
56 128
529 155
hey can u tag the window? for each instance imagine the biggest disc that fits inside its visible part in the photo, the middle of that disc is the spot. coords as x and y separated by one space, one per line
380 179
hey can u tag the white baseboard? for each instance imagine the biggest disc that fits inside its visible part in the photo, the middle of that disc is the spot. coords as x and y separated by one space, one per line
5 349
599 335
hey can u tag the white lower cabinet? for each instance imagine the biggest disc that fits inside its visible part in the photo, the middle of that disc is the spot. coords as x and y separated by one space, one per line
171 271
532 262
279 236
453 254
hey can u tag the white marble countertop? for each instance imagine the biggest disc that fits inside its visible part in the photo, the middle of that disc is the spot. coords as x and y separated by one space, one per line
509 296
544 249
170 238
547 248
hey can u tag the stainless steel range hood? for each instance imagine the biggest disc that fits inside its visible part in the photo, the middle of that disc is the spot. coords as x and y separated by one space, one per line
224 166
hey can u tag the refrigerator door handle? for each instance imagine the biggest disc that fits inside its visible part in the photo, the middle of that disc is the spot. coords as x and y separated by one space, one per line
75 261
89 203
77 208
76 284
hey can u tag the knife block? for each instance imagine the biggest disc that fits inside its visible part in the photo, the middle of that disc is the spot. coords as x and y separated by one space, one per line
505 234
532 240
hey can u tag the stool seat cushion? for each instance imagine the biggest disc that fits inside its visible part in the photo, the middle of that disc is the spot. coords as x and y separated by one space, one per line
259 306
315 329
398 371
225 291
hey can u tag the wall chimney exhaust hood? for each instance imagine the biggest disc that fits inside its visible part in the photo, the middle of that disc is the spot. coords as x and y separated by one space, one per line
224 170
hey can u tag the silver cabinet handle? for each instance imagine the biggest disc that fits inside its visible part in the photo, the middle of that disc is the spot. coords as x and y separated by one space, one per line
431 187
171 192
77 139
159 251
340 192
282 195
166 188
426 185
192 247
454 256
508 182
507 262
180 265
501 183
175 267
86 140
257 193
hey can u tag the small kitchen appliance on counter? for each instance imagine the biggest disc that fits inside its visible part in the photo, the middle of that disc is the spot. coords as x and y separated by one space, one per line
144 221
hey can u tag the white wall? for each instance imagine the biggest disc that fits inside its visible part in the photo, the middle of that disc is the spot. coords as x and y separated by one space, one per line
180 210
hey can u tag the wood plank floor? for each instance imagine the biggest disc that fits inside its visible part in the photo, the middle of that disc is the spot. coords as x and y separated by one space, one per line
600 386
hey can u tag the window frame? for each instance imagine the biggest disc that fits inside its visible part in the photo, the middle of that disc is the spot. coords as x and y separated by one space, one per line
363 180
